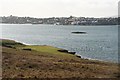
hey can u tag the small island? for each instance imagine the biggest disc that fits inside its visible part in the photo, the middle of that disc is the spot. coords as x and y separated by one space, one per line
42 61
79 32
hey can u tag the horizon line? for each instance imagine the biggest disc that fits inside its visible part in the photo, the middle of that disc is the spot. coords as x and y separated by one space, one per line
61 16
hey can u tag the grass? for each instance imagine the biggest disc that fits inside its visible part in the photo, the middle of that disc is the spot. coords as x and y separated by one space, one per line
5 42
47 49
47 62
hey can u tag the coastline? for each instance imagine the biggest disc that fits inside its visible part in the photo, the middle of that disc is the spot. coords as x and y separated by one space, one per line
19 60
83 57
55 25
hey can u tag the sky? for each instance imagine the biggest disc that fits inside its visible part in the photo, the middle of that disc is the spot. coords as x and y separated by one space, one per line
59 8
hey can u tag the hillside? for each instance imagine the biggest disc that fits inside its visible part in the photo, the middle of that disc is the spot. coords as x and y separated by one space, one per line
33 61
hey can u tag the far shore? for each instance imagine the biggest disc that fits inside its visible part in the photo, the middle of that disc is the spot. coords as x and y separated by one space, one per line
53 24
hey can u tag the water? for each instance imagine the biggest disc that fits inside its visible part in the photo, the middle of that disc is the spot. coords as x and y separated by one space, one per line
100 42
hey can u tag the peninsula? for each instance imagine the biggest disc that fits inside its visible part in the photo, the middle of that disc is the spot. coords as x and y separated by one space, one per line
42 61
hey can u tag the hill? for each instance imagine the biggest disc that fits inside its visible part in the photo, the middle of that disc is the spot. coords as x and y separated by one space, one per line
33 61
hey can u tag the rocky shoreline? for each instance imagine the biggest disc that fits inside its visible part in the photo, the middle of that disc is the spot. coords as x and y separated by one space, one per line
27 61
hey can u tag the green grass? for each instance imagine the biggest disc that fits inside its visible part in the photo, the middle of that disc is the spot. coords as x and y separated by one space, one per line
12 43
48 62
47 49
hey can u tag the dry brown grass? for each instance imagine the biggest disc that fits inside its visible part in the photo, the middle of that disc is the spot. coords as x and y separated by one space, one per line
18 63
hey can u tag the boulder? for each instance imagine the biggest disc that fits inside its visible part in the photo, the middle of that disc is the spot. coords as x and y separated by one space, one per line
63 50
78 56
66 51
8 46
27 49
72 53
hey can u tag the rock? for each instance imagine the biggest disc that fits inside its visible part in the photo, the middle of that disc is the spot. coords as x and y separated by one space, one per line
78 56
72 53
63 50
28 49
9 46
66 51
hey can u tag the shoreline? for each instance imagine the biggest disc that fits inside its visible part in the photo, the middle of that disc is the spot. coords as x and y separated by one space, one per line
20 60
86 58
55 25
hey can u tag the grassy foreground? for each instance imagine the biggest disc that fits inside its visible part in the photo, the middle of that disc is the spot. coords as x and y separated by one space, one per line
27 61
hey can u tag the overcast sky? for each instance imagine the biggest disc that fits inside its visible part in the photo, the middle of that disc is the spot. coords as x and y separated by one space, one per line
59 8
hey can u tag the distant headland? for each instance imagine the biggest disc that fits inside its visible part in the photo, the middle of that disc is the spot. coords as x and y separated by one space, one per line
60 20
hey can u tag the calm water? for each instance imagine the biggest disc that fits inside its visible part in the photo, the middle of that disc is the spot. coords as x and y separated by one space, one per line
100 42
